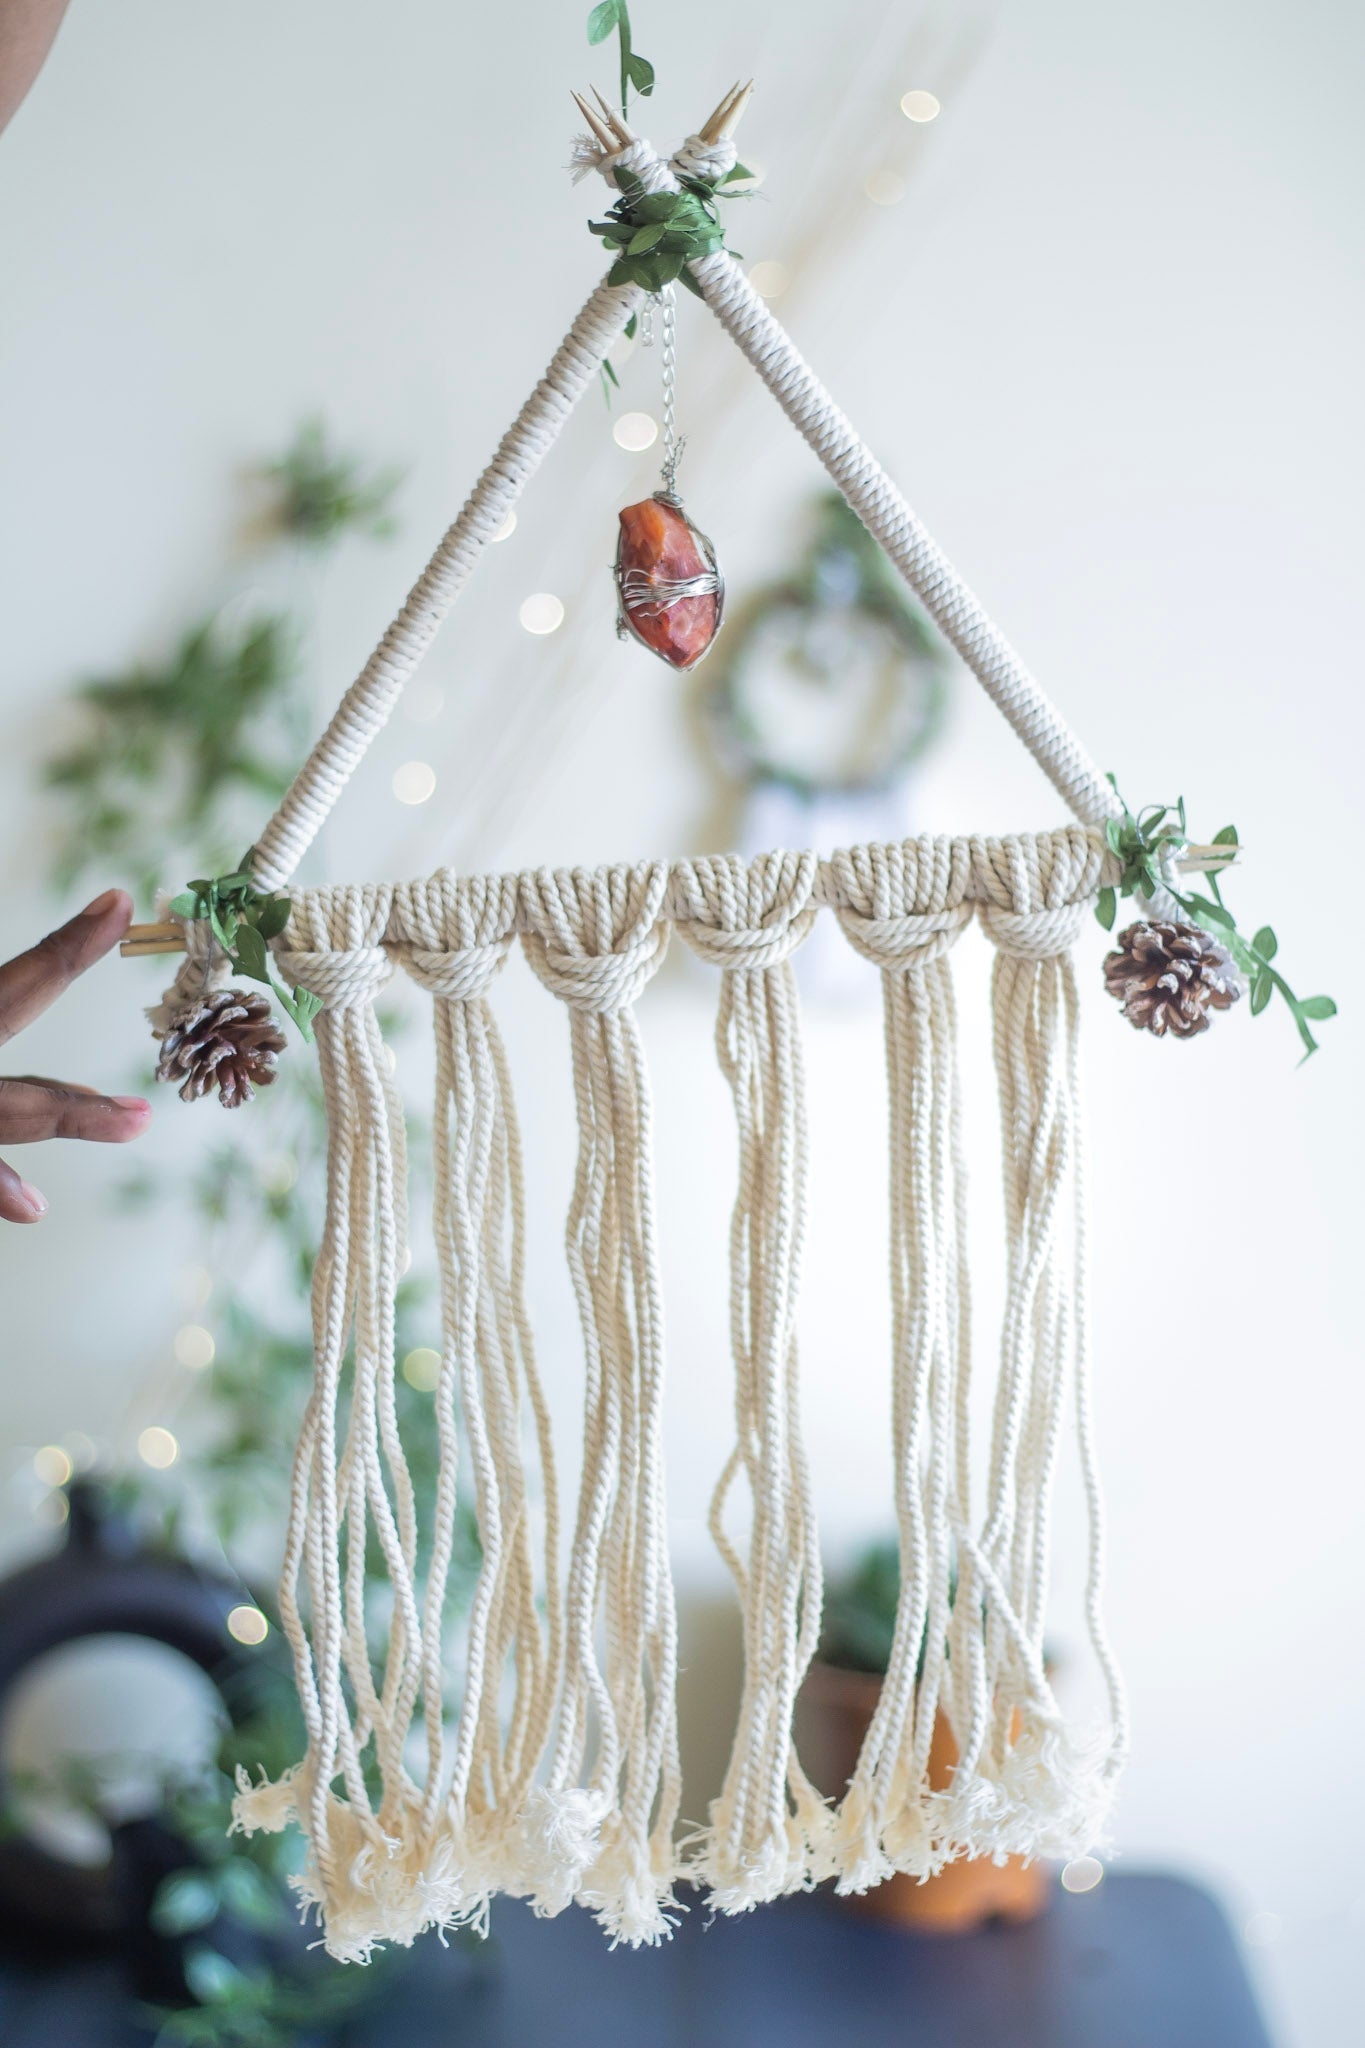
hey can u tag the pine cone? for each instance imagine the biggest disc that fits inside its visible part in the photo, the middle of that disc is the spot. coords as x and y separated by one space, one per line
1169 977
229 1041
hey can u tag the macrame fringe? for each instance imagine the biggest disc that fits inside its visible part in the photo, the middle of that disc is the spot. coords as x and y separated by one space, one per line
559 1781
769 1828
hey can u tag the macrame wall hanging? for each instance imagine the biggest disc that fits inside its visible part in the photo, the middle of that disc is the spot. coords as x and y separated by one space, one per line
560 1779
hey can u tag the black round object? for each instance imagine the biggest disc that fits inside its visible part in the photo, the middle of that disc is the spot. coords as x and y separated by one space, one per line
105 1582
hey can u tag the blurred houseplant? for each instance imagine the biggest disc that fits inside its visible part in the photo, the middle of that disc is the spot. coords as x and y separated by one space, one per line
166 757
836 1707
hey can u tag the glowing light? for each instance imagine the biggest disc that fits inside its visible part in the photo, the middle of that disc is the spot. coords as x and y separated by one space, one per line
278 1172
884 188
919 105
194 1346
248 1625
414 782
158 1448
1262 1930
542 613
769 279
1082 1874
506 530
422 1369
423 703
634 431
52 1510
52 1465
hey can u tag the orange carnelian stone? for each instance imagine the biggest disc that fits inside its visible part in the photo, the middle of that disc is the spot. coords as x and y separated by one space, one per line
659 543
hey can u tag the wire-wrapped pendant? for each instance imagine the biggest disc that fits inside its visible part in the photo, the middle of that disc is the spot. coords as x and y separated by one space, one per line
669 585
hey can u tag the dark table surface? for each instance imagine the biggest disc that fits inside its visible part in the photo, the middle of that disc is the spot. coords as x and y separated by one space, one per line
1143 1961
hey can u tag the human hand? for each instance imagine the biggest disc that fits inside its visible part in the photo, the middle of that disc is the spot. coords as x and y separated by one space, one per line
30 1107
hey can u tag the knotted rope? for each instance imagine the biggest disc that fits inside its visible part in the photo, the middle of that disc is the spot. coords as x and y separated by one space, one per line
471 1817
604 1833
350 1475
903 909
1023 1784
769 1826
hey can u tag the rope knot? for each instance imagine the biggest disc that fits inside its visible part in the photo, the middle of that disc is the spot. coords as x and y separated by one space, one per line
709 161
603 984
341 980
912 940
596 939
461 975
1032 934
747 916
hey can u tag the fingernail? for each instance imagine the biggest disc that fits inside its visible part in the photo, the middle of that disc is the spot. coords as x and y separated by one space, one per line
101 904
33 1201
130 1101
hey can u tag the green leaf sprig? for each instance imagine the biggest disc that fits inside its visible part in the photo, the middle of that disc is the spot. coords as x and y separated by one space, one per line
1142 841
636 71
655 235
244 919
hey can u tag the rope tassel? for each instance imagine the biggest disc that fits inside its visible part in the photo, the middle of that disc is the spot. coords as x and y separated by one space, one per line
904 907
471 1812
601 1828
1026 1784
350 1476
769 1828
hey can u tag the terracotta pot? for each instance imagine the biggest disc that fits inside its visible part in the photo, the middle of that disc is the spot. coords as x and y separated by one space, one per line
834 1710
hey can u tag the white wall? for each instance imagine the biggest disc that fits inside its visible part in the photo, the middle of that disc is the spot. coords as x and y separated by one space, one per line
1110 344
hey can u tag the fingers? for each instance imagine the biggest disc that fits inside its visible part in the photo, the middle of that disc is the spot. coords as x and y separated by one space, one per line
36 978
19 1203
32 1109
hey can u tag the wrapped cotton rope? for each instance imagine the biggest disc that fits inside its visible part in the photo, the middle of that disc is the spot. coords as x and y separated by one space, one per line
769 1827
903 908
601 1829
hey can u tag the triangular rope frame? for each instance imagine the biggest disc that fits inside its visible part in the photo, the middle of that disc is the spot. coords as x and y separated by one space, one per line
561 1782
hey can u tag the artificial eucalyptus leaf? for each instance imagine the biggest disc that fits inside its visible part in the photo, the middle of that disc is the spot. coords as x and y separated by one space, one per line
1227 837
252 956
641 74
1261 991
1318 1007
186 904
1265 943
602 21
1113 833
1106 907
273 917
645 238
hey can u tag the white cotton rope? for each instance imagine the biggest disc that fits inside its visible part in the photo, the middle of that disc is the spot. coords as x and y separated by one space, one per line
769 1828
958 613
601 1828
561 1780
1025 1784
905 906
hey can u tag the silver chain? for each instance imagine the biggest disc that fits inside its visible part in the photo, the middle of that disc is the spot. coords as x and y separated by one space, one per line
668 369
